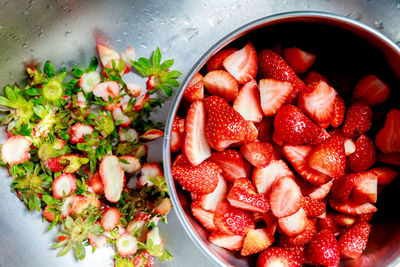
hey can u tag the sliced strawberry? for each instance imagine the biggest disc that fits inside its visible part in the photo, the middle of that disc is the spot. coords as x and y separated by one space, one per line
69 163
305 237
210 201
242 64
294 127
128 55
97 241
200 179
275 256
256 241
131 165
88 80
285 197
112 176
328 223
247 103
80 203
358 119
389 158
110 218
106 55
78 132
215 62
298 59
228 241
313 77
118 115
365 217
231 220
221 83
343 186
106 89
363 157
366 187
264 178
343 219
323 249
204 217
317 100
321 137
133 89
318 192
195 145
48 214
265 128
257 153
272 65
296 251
353 242
273 95
339 110
162 206
297 156
126 245
385 175
15 150
313 207
152 134
252 132
195 89
352 208
372 89
225 126
149 172
177 134
232 164
294 224
128 135
63 185
243 195
96 184
388 138
329 157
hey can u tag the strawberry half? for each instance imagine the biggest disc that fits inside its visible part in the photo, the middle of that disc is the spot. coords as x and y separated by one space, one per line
232 163
204 217
210 201
318 101
366 187
78 132
372 89
231 220
257 153
313 77
358 119
15 149
296 251
225 126
294 224
247 103
291 125
313 207
80 203
162 206
221 83
339 110
112 176
323 249
305 237
343 186
343 219
265 128
133 89
215 62
195 89
106 54
110 218
285 197
275 256
363 157
178 128
352 208
195 145
228 241
256 241
106 90
131 165
63 185
385 175
95 184
354 241
388 138
242 64
298 59
389 158
274 94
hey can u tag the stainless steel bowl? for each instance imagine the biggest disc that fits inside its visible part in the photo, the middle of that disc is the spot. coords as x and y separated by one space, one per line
352 49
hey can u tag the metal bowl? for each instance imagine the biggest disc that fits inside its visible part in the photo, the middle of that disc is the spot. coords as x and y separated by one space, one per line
351 49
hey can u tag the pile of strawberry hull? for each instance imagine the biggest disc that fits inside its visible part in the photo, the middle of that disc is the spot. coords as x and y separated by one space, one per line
277 162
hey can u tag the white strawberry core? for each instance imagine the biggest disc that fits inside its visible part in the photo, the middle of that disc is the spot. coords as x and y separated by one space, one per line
126 245
349 147
89 80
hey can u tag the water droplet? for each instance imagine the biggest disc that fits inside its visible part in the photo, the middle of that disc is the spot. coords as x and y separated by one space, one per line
67 33
356 15
143 45
379 24
189 34
124 32
118 39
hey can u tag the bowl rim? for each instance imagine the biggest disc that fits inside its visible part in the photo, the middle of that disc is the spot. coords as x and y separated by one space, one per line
227 39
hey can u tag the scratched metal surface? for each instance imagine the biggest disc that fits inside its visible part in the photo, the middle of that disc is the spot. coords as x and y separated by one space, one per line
64 32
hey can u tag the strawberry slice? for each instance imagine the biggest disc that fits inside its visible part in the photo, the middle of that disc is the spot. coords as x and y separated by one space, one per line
15 150
327 222
242 64
110 218
200 179
112 176
195 89
297 156
388 138
313 207
318 101
247 103
354 241
215 62
272 65
275 256
78 132
131 165
385 175
126 245
366 187
204 217
106 54
389 158
329 157
322 136
351 207
127 56
358 119
257 153
80 203
152 134
305 237
95 184
339 110
228 241
105 90
210 201
265 128
162 206
231 220
225 126
343 219
232 164
317 192
118 115
243 195
298 59
285 197
264 178
150 171
69 163
221 83
343 186
372 89
363 157
313 77
296 251
256 241
63 185
88 80
133 89
177 134
195 145
294 127
323 249
294 224
48 214
273 95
